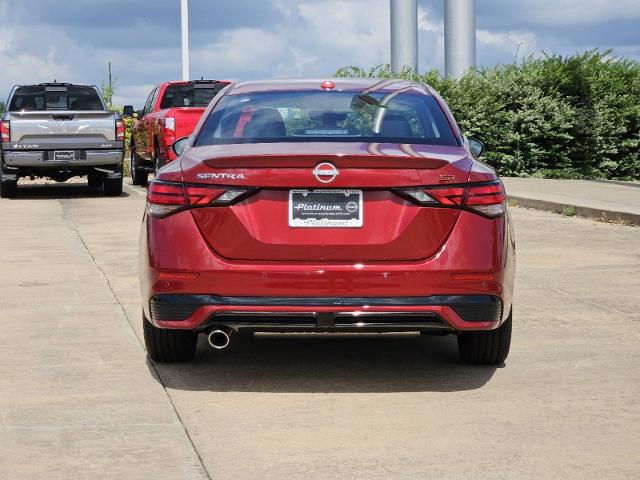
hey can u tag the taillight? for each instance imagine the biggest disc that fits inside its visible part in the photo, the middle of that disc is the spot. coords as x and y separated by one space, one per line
165 198
168 124
120 127
5 131
486 198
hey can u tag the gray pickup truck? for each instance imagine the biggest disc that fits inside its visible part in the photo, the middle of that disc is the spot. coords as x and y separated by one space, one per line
59 131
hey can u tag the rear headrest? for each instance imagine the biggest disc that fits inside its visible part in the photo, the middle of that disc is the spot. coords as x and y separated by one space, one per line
265 123
395 125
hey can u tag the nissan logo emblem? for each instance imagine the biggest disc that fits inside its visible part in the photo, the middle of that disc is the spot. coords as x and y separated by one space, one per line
325 172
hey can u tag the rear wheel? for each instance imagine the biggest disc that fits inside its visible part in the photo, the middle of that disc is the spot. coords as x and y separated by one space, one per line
164 345
8 188
138 177
487 347
95 179
156 160
113 187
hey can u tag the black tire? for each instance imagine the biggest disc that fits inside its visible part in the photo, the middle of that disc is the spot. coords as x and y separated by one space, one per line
487 347
164 345
8 188
138 177
113 187
156 160
95 179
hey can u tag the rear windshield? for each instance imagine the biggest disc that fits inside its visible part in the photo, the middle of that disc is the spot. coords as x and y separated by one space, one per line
190 95
40 97
333 116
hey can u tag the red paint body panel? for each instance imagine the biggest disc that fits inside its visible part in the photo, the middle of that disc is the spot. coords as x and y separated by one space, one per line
402 249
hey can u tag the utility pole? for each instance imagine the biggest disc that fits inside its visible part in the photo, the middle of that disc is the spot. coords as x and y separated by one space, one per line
404 34
184 16
459 37
110 86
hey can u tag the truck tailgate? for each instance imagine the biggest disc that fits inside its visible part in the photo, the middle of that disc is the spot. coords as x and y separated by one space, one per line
186 120
46 126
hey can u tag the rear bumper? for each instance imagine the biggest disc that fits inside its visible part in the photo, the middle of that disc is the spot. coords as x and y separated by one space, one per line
466 285
438 312
44 158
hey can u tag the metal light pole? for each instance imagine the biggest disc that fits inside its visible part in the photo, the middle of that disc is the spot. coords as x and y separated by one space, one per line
184 16
404 34
459 37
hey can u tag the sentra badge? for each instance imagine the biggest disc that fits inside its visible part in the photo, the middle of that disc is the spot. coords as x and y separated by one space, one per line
221 176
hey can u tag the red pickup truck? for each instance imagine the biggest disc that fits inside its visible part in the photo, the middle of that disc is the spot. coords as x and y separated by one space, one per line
171 112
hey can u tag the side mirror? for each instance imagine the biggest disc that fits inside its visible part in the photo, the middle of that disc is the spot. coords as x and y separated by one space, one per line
127 111
179 145
476 147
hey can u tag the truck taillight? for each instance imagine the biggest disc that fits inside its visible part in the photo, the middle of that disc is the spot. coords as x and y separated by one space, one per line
5 132
166 198
486 198
120 128
169 123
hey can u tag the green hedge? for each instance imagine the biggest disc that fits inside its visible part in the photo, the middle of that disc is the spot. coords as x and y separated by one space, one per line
569 117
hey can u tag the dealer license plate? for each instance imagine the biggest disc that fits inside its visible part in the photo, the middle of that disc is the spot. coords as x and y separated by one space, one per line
64 155
325 208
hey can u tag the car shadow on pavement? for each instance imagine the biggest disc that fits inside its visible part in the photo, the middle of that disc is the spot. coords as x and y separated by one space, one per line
324 363
57 191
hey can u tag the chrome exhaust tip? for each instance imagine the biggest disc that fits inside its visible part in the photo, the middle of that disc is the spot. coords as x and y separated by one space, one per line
219 339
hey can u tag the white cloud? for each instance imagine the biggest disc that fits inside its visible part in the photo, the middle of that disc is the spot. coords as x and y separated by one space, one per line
316 39
579 12
303 38
522 42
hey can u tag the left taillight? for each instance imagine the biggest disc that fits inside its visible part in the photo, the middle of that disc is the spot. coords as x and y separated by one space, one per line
167 198
168 125
5 130
120 128
485 198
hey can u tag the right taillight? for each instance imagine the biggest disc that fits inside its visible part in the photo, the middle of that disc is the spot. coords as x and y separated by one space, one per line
485 198
120 130
166 198
5 131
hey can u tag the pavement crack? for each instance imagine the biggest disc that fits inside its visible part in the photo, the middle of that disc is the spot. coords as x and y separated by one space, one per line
150 364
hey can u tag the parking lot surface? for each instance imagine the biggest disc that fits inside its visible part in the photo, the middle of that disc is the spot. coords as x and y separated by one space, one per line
78 398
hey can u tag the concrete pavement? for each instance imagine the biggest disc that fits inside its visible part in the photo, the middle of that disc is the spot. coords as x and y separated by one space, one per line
593 199
79 400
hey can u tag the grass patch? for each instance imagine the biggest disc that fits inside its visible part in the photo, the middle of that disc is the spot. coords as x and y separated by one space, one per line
569 211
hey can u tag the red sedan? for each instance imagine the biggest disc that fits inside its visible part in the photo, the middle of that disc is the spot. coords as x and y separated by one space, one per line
327 206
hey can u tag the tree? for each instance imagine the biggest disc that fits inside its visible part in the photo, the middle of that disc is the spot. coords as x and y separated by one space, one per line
552 116
107 93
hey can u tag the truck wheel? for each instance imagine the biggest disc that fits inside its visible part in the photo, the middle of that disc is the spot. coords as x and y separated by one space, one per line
113 187
8 188
138 177
157 162
164 345
487 347
95 179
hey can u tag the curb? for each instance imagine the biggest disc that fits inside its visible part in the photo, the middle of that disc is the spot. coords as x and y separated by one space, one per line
587 212
617 182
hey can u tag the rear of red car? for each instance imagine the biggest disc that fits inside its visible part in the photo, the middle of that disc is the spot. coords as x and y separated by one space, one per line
349 207
171 112
180 108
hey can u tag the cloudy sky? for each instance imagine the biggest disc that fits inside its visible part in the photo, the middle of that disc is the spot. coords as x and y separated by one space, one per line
72 40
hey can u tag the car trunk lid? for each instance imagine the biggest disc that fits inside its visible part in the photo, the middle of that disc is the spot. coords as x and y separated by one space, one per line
386 226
